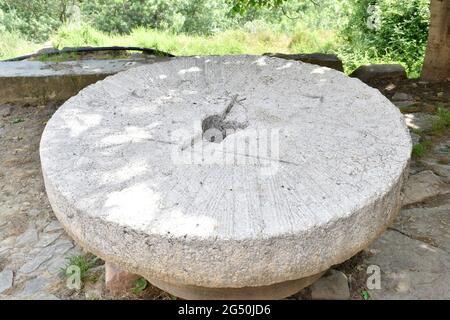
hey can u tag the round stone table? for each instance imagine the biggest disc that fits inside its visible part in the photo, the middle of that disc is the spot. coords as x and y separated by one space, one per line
226 177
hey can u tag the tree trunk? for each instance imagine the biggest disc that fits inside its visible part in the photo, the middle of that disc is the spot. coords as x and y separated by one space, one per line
437 57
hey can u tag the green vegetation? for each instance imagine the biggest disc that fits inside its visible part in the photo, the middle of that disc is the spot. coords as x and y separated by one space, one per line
365 295
17 120
187 27
439 127
84 263
140 285
12 44
420 149
400 37
227 42
442 124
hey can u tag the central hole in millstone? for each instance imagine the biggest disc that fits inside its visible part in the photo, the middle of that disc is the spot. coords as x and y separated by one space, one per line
213 128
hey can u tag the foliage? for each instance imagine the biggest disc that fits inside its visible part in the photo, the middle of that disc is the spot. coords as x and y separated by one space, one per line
84 263
419 150
365 295
400 38
442 123
139 285
122 16
225 27
12 44
401 35
34 20
228 42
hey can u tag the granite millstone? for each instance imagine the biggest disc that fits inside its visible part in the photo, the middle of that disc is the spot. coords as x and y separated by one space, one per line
327 187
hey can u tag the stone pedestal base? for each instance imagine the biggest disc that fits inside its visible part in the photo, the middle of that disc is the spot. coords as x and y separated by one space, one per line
271 292
117 281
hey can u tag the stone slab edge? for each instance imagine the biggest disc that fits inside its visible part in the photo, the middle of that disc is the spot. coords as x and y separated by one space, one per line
383 212
42 82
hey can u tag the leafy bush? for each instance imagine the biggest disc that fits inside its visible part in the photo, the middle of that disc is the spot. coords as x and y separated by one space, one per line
209 27
34 20
401 36
12 44
187 16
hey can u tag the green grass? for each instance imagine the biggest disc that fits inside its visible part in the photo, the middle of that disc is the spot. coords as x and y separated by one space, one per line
442 124
58 57
83 262
301 39
140 285
13 45
419 150
238 41
439 127
227 42
365 295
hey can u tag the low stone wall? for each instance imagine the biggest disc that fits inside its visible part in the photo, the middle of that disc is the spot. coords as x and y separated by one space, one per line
41 90
41 82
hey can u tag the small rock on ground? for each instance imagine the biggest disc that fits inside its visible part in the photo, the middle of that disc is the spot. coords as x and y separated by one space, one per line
376 72
6 280
118 282
332 286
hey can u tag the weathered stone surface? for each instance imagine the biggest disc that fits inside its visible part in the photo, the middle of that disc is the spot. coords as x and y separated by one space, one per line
331 188
6 280
441 169
47 239
439 162
53 226
274 291
321 59
419 120
410 269
47 50
332 286
34 286
375 72
35 262
430 225
42 255
25 214
117 281
40 82
410 104
401 96
29 237
415 138
423 185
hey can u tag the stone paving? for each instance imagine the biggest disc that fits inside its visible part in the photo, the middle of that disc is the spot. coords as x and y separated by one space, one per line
33 245
413 255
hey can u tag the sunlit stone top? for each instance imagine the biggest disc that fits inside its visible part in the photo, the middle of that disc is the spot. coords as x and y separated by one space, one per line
226 171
